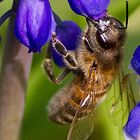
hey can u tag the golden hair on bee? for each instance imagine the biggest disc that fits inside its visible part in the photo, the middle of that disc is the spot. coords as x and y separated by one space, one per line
99 53
95 64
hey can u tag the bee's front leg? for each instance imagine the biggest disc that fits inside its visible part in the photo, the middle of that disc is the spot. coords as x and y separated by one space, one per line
47 64
69 59
87 43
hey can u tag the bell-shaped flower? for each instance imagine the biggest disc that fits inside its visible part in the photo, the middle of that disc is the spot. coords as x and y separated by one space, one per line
132 127
94 9
68 33
135 61
34 23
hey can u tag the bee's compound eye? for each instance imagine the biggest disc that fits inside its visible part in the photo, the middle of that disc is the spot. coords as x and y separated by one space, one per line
101 38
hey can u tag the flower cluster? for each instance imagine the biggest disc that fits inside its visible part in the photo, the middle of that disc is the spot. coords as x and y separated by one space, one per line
35 22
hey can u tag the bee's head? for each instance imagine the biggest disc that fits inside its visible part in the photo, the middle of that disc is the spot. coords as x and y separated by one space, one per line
106 37
109 32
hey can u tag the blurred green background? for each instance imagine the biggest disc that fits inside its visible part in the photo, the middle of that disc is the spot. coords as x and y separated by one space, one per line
36 125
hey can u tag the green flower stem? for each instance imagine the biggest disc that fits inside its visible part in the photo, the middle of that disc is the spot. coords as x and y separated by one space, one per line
13 84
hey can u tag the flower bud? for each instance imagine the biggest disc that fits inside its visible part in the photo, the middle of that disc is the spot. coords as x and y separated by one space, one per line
34 23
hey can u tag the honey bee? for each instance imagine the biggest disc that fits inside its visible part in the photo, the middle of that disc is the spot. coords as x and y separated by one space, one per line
95 63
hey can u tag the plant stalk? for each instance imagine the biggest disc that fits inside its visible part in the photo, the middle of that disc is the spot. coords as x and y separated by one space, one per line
14 76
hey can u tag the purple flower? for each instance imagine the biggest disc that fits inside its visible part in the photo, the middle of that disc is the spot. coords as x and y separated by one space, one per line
34 23
132 127
94 9
135 61
68 33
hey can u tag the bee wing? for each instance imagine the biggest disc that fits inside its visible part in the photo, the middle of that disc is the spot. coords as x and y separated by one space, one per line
121 99
81 127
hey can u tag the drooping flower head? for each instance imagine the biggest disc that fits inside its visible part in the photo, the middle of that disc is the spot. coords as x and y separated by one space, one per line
68 34
135 61
34 23
94 9
132 127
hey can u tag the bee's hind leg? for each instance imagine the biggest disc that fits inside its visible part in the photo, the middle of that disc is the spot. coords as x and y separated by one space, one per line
47 64
61 49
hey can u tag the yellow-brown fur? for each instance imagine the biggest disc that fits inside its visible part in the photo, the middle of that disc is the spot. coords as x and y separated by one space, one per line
97 72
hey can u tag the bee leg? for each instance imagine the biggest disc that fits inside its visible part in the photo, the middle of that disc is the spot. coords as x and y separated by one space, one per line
61 49
62 75
49 69
87 44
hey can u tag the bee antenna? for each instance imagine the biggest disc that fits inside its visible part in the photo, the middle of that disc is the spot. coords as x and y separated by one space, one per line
126 17
127 13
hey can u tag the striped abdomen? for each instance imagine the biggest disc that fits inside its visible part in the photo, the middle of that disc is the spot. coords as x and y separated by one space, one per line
65 103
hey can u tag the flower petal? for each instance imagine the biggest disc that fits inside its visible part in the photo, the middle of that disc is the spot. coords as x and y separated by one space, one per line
76 6
68 33
135 61
132 127
34 23
94 9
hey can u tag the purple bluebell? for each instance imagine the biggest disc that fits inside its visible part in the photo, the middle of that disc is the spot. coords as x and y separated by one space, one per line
34 23
132 127
94 9
68 33
135 61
